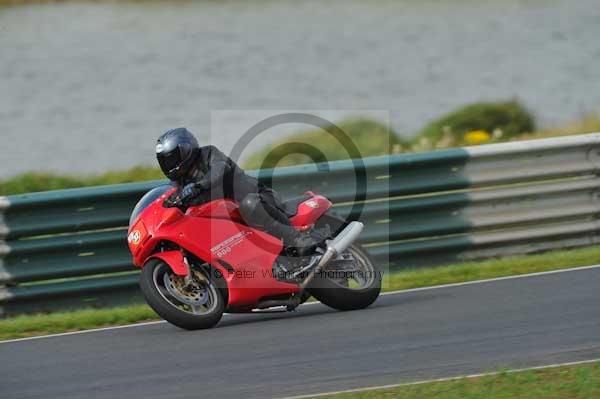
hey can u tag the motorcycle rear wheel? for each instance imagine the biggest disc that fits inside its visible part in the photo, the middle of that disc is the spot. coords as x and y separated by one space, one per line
357 292
163 291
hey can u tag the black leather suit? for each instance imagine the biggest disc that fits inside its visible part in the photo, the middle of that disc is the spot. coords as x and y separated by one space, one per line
219 177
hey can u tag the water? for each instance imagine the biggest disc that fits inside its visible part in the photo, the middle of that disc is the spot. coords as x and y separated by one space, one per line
88 87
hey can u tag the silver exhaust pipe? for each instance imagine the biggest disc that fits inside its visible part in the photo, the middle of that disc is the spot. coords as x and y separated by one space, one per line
346 237
335 247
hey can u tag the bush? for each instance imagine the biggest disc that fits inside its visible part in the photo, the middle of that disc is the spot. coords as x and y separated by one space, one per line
370 137
476 124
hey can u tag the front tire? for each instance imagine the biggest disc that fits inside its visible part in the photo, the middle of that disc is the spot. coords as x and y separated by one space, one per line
188 310
338 293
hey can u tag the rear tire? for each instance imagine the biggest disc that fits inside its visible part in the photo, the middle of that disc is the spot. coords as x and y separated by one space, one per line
336 296
157 299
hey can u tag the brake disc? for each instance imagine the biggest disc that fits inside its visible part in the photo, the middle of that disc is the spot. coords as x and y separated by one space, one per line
193 297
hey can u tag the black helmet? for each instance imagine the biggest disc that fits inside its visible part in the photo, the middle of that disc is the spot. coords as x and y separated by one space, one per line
175 151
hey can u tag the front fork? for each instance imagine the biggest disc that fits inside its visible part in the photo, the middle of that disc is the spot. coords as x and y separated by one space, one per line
189 278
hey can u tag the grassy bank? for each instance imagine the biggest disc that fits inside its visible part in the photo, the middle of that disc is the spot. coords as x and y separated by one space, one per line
36 181
569 382
27 326
371 137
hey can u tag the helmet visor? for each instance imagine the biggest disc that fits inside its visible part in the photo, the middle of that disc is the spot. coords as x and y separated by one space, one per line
169 161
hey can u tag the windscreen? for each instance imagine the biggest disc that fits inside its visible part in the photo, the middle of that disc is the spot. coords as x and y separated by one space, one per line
146 200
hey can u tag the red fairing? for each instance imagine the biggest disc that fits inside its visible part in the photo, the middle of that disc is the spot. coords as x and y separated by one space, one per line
310 211
174 259
212 232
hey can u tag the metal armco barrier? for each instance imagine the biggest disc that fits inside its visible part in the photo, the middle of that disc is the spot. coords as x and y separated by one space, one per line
67 249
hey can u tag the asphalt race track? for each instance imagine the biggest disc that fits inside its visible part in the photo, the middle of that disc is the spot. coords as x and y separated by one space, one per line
408 336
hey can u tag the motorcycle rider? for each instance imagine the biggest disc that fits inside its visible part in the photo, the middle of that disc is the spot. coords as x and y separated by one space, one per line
205 173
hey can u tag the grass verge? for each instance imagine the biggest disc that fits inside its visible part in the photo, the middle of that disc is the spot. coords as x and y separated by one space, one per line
43 324
27 326
569 382
481 270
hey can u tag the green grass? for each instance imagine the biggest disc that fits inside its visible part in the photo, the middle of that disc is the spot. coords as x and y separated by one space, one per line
471 271
38 181
370 137
32 325
570 382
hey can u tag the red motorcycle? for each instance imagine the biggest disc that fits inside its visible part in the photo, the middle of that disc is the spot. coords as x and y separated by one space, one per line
203 260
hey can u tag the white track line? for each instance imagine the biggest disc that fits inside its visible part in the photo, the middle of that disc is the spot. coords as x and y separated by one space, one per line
549 366
435 287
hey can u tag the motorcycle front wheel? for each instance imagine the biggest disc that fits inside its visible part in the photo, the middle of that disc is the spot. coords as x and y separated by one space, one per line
354 284
190 308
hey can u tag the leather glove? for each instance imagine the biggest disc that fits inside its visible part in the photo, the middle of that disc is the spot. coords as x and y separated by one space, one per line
189 192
